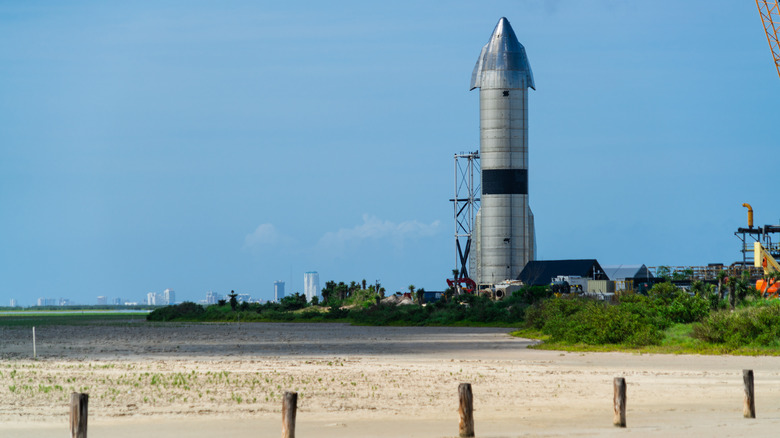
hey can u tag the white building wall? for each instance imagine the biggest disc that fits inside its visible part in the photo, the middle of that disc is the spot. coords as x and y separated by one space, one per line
311 285
169 297
212 297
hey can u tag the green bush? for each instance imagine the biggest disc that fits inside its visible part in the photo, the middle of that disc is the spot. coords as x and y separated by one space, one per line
184 311
757 326
577 320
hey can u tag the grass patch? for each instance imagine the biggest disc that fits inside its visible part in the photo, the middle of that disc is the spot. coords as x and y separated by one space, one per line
78 319
677 340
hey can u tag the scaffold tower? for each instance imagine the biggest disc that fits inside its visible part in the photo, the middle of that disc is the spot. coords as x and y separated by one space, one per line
465 207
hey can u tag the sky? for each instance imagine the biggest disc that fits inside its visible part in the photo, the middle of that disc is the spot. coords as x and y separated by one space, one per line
216 146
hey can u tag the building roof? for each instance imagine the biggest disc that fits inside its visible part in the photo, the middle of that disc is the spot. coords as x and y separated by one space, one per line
622 272
541 272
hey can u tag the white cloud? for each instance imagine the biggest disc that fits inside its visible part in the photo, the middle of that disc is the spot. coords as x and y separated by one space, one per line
265 236
375 229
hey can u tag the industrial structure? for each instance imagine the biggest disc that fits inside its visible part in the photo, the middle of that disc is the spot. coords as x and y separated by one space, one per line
495 238
541 273
503 229
770 17
466 205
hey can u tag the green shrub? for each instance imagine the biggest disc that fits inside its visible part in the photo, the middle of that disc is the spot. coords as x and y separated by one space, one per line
757 326
577 320
684 308
184 311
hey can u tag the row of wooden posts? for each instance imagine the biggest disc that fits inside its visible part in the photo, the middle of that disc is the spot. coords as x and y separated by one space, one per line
79 406
619 399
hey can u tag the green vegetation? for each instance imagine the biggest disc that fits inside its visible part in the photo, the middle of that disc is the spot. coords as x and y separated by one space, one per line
30 319
668 320
352 304
730 318
753 326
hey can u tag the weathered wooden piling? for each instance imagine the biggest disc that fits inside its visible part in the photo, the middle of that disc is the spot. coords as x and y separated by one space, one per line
289 409
749 407
619 401
466 410
79 404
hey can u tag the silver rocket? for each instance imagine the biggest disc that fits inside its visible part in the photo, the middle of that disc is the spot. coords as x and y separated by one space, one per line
504 234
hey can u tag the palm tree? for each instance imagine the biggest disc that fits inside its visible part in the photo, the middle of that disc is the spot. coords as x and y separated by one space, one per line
742 285
233 300
732 296
721 275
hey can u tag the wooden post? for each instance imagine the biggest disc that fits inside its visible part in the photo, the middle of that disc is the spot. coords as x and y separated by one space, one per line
749 408
79 403
619 402
34 352
466 410
289 408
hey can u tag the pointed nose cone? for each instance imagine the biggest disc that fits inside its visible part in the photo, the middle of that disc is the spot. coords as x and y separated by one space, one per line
502 63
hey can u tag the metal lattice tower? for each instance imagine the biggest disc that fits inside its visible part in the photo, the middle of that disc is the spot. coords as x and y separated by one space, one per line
770 16
465 204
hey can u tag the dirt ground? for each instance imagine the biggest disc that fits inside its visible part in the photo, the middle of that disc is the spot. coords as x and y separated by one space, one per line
205 380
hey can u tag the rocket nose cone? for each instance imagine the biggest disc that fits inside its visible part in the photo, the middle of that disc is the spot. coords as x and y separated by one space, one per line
503 62
504 39
503 28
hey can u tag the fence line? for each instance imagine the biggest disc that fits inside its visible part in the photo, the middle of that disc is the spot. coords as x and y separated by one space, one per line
79 404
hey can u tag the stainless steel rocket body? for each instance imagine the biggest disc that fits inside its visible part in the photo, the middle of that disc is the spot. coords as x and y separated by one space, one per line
505 237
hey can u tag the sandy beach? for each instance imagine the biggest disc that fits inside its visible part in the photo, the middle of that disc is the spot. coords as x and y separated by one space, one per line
205 380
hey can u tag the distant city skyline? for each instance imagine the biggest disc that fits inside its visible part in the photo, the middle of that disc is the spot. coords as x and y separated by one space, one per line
165 297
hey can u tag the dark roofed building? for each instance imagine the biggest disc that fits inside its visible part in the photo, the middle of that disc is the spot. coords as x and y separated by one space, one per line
542 272
627 272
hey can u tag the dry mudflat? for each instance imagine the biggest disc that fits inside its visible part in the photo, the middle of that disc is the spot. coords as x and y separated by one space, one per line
206 380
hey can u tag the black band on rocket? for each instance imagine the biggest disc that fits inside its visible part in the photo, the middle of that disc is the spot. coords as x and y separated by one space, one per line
505 182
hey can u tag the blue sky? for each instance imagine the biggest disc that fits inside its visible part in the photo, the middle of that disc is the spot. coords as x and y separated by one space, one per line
224 145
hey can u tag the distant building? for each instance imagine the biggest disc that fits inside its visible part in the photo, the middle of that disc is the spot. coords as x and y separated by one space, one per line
47 302
278 291
212 297
13 302
153 299
627 272
243 298
116 301
102 301
311 285
65 302
630 277
169 297
542 272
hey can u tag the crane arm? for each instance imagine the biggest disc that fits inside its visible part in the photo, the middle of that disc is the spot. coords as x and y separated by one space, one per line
770 16
762 259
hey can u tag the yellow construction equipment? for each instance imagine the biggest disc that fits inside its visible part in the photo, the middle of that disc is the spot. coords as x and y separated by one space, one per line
750 214
770 16
762 258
